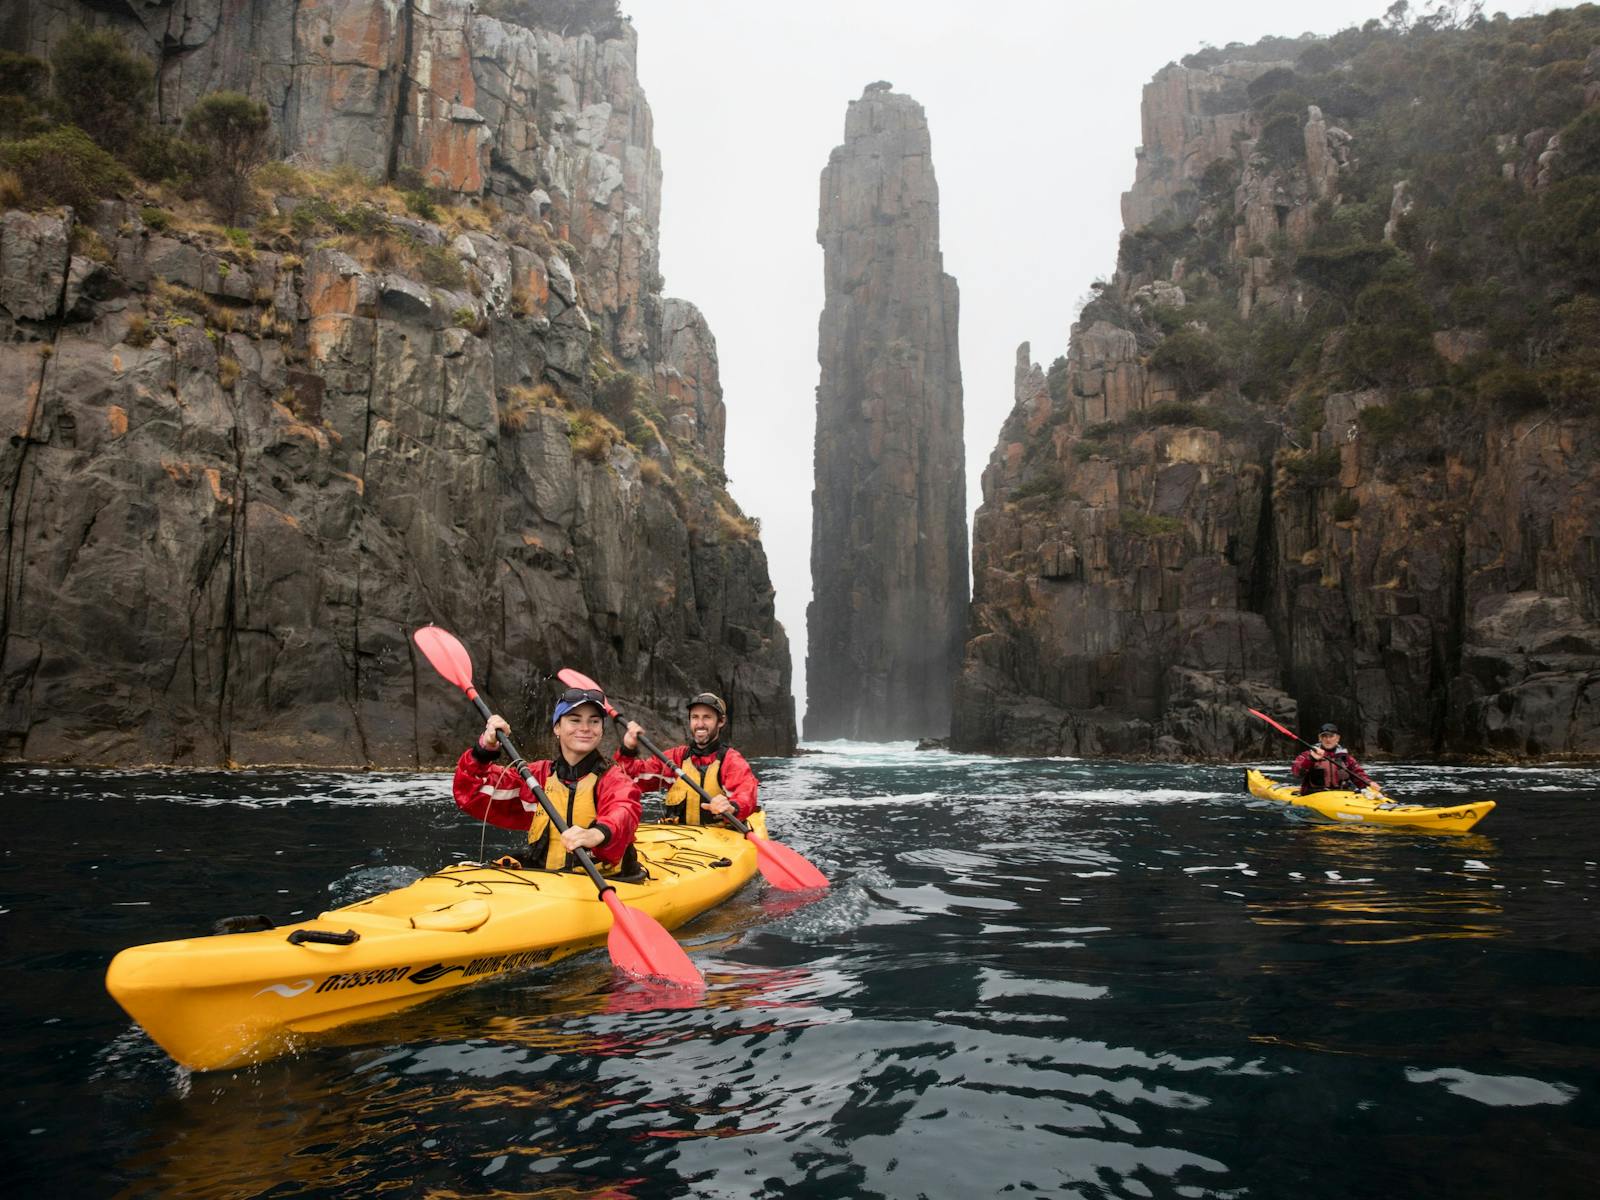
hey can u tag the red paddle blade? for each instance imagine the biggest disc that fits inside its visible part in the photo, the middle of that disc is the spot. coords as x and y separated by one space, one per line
784 868
640 946
577 679
448 656
1274 724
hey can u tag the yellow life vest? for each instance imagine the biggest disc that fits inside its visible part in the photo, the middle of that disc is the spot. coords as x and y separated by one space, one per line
683 803
576 805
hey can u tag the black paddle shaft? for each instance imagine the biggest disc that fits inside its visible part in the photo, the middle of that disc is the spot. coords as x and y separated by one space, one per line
526 772
731 817
1348 773
1295 737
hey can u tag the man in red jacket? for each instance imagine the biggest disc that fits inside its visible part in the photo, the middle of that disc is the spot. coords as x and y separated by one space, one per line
1326 766
720 770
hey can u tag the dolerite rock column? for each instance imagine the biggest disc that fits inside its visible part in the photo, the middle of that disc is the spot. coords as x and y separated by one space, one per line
889 532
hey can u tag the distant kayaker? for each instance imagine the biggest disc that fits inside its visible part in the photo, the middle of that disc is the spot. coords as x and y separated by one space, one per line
720 770
1326 766
598 801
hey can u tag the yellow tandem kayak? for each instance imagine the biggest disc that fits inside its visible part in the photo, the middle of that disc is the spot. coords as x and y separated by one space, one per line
1354 808
231 999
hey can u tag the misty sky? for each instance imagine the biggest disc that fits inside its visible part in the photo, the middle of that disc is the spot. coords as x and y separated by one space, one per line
1033 107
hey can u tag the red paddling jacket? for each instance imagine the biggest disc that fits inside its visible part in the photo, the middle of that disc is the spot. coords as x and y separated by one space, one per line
492 791
721 771
1330 774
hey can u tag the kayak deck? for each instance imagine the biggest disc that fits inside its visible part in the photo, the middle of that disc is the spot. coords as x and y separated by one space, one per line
230 999
1347 807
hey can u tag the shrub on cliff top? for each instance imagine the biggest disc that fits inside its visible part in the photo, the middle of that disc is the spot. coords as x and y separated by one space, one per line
1040 487
1580 145
517 406
23 81
1056 379
1147 525
234 131
102 87
440 267
591 435
1310 469
1343 272
1511 388
1282 141
1192 359
735 525
1390 339
23 75
1567 230
63 166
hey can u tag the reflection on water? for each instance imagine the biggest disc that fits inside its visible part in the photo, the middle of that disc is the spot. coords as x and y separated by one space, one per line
1354 897
1060 977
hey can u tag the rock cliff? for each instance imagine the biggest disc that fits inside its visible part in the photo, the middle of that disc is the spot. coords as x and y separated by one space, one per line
1297 457
889 536
243 465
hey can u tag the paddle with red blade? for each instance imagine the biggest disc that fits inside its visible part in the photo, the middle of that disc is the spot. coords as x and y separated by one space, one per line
637 942
784 868
1295 737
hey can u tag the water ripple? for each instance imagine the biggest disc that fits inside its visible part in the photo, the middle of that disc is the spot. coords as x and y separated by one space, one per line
1062 977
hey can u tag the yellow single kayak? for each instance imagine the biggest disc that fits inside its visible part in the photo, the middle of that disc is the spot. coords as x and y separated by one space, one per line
1354 808
231 999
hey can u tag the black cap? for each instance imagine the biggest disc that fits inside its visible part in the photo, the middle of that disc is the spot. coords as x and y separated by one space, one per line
1330 727
709 700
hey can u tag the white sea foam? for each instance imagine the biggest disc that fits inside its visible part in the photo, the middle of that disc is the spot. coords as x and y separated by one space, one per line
1497 1091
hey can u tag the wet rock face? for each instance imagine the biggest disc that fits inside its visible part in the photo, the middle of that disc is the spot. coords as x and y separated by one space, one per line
888 554
1152 560
550 126
1112 602
236 480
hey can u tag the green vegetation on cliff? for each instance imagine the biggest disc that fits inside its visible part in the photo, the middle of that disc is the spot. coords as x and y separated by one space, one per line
1453 263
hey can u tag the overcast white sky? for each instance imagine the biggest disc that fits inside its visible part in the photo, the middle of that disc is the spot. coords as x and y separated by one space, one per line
1033 107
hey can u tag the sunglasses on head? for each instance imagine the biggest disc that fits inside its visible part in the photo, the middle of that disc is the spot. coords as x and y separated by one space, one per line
582 696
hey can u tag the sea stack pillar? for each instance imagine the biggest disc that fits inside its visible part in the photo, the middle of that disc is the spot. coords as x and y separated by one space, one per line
889 513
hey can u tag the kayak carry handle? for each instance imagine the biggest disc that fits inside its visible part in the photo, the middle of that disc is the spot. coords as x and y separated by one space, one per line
301 936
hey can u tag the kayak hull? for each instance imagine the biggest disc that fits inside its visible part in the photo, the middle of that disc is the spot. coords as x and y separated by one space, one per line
1352 808
232 999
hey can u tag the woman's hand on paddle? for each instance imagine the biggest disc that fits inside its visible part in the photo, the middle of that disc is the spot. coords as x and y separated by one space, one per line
581 837
489 739
630 735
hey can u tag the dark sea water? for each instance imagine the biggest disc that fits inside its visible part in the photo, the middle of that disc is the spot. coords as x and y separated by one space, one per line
1031 977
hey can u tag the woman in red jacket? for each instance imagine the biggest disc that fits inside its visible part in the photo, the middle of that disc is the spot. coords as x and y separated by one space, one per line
719 769
598 801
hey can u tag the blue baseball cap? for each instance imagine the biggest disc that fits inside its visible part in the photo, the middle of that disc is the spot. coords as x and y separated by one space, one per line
575 698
